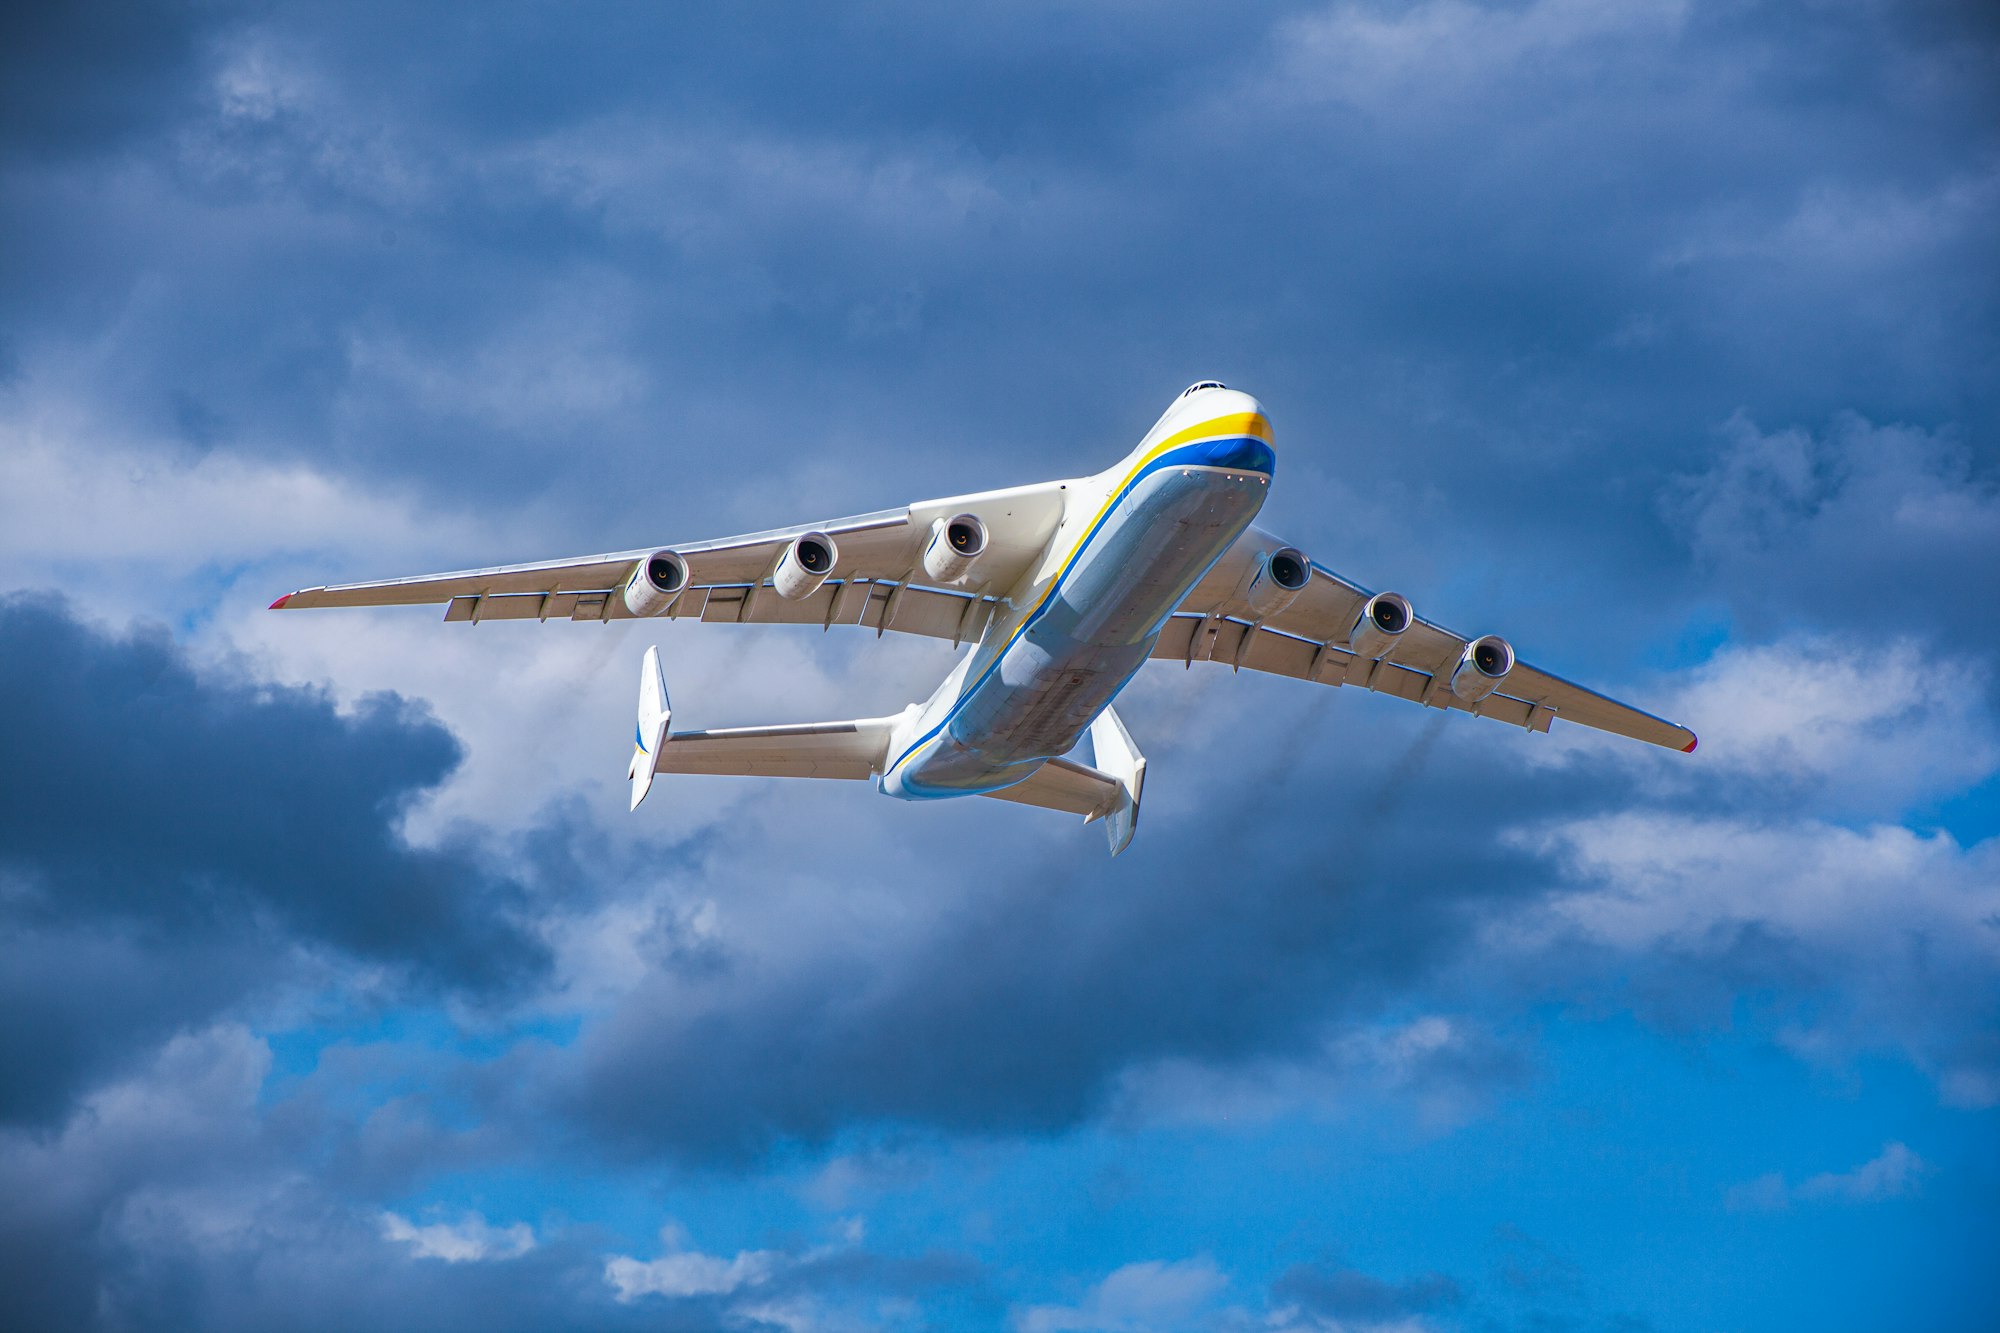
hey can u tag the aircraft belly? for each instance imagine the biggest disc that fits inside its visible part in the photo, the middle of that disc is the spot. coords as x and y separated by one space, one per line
1155 547
1099 627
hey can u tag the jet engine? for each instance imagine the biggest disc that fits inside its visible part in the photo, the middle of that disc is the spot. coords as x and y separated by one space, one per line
1481 667
1279 580
656 583
1383 618
805 565
955 543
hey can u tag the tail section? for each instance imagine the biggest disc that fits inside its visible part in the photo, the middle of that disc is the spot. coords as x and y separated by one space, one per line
1109 792
1119 759
654 714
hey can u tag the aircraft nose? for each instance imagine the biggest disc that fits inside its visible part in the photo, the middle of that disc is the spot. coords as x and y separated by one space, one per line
1212 398
1236 402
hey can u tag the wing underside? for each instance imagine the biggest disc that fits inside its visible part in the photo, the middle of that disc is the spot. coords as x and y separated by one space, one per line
853 750
1306 640
877 581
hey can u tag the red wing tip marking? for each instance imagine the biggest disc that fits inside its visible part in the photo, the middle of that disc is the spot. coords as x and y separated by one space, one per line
1689 747
281 601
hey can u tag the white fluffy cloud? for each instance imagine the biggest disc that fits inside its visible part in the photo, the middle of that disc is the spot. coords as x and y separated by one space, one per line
1895 1172
1896 929
1850 727
680 1272
1443 1069
471 1239
1154 1296
1441 51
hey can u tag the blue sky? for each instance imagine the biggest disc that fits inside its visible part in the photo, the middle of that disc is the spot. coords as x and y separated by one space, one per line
338 989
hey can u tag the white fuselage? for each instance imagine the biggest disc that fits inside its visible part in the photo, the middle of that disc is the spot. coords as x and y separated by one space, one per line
1133 540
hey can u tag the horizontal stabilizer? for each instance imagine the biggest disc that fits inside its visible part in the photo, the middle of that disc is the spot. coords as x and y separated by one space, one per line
1110 793
855 750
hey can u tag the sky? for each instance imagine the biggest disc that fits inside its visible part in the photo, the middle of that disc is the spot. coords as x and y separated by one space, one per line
339 989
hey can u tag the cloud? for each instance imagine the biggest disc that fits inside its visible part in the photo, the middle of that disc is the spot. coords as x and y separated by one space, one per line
240 823
1887 531
1153 1295
305 294
1890 932
1891 1175
79 78
683 1272
298 819
1882 722
808 1287
1839 724
1446 51
469 1240
960 1011
1895 1173
79 496
1447 1070
197 1191
1346 1298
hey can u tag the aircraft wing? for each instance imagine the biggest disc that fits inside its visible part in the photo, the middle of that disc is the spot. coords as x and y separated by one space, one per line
877 580
1306 640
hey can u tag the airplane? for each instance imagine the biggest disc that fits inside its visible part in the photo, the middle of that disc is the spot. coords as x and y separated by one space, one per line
1063 590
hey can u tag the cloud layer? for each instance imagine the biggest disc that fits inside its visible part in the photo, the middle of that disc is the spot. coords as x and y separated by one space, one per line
1659 337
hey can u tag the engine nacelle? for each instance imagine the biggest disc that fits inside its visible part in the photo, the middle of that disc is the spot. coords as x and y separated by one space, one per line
1279 580
656 583
955 543
805 565
1481 667
1382 621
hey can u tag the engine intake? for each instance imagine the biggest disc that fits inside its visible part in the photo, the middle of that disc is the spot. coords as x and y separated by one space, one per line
955 543
656 583
806 564
1279 580
1481 667
1382 621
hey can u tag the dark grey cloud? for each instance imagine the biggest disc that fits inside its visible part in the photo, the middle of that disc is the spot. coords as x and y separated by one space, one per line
1546 270
170 833
1849 523
1348 1294
170 1199
1227 934
91 75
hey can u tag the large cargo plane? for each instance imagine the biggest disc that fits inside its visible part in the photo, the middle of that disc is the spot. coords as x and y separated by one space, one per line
1063 590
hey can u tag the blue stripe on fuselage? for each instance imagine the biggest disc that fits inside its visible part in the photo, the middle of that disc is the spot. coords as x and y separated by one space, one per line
1238 453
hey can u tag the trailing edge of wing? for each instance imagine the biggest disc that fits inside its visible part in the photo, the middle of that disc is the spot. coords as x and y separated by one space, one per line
1305 640
878 580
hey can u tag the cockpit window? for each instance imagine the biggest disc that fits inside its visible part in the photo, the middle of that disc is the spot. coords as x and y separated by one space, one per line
1205 384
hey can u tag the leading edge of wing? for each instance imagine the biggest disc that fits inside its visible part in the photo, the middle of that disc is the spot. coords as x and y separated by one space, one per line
590 573
1317 622
1615 715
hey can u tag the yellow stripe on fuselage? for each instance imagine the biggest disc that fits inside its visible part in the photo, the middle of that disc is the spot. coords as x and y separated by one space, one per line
1215 428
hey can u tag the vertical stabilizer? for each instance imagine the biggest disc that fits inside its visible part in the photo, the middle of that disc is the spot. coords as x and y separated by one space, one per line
1119 759
654 714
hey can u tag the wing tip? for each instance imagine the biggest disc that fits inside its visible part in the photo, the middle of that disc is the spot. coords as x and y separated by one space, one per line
280 603
1693 740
